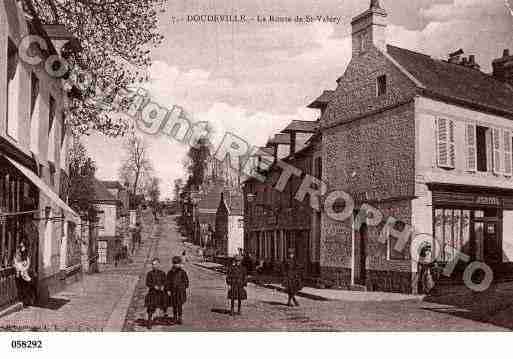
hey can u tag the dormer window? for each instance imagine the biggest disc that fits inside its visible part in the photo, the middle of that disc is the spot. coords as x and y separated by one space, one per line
381 86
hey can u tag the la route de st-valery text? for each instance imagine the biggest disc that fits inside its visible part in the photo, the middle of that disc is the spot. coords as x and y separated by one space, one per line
262 19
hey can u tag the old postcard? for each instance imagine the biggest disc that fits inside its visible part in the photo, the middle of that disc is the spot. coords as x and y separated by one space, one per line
268 165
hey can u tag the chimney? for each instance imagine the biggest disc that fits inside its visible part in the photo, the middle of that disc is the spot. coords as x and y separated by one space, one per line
503 68
455 57
369 28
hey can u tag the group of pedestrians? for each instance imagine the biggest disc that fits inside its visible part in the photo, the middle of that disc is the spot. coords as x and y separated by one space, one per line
166 290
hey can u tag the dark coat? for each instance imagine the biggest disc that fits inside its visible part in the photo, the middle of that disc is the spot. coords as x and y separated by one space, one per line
292 279
236 278
156 298
177 283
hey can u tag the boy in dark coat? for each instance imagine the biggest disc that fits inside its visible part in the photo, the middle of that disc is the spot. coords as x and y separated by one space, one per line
292 280
236 278
156 296
177 283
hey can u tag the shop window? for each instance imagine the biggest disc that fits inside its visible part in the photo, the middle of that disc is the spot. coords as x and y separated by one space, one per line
452 233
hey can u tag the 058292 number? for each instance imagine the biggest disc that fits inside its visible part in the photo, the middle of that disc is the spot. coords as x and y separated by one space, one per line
27 344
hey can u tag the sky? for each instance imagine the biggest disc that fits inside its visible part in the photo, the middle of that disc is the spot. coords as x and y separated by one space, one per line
253 79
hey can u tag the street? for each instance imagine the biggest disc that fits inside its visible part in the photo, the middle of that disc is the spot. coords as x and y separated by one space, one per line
207 307
113 300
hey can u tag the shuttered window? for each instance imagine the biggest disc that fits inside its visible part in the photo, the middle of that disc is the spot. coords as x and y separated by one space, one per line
497 147
508 165
471 147
446 146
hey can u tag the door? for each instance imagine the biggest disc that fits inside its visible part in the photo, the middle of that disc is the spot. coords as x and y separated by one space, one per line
360 255
492 244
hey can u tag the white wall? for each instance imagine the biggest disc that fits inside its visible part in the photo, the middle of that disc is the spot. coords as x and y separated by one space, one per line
109 222
235 235
426 113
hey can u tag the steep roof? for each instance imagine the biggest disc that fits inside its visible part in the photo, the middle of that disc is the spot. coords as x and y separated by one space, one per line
101 193
322 100
302 126
112 184
454 82
280 139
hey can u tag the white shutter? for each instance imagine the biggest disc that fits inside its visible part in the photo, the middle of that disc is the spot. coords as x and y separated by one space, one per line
496 150
451 144
442 150
471 145
446 146
507 146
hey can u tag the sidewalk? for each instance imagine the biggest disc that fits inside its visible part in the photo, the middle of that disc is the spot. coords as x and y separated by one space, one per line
97 303
327 294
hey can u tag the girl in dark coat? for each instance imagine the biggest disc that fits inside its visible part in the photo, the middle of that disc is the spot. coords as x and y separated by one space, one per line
156 297
236 278
292 280
177 283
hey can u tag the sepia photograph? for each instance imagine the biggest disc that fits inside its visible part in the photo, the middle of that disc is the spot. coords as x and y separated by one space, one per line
255 166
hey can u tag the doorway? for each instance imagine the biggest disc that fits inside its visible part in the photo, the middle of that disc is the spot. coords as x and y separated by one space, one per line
360 244
487 236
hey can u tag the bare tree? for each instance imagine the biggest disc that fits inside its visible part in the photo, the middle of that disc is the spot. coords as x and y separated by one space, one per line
136 168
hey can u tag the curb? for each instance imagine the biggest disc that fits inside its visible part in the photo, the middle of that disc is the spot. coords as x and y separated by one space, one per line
118 316
16 307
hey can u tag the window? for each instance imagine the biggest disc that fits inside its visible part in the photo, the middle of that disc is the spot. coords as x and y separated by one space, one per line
483 148
452 233
392 252
446 146
363 42
12 89
382 85
34 113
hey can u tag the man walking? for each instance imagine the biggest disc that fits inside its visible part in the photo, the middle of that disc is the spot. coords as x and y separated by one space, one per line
236 278
292 280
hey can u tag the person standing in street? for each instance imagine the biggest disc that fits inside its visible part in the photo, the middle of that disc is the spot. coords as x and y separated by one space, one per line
156 296
136 237
118 251
236 278
292 280
177 283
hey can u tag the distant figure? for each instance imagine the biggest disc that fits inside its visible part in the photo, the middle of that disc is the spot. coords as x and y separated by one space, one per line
177 283
247 262
292 280
118 251
156 296
155 218
136 237
184 257
236 278
426 281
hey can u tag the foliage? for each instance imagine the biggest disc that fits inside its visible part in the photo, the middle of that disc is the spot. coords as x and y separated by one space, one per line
196 165
153 191
115 39
81 170
136 169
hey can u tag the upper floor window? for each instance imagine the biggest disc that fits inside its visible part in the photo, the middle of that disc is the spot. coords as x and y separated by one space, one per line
382 85
12 89
488 149
363 42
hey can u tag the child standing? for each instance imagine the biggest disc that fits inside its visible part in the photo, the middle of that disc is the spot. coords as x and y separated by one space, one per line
236 278
176 285
156 297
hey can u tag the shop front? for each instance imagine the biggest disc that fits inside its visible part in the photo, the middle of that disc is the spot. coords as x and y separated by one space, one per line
476 221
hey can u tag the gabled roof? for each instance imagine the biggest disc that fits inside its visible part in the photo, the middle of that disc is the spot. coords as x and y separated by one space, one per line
101 193
112 184
454 82
322 100
231 202
280 139
302 126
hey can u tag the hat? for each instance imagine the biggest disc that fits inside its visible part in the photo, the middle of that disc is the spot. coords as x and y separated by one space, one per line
238 258
177 260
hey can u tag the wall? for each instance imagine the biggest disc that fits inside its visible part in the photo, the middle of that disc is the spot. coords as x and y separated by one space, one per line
235 235
109 222
368 150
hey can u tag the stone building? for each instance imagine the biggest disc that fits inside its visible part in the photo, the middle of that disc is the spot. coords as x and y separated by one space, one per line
274 220
33 156
427 142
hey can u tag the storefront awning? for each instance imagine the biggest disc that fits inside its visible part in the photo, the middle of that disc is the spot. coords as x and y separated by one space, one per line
69 213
